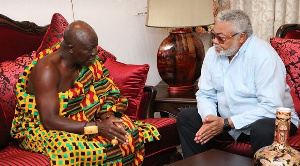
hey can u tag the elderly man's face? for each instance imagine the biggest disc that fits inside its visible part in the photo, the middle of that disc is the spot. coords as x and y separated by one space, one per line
86 50
224 39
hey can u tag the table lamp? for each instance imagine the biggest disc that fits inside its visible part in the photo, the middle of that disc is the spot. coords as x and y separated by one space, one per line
180 55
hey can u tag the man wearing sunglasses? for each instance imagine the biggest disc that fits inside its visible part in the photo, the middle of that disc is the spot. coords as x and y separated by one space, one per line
242 84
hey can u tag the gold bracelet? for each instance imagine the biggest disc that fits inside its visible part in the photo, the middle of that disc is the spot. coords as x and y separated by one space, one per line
90 129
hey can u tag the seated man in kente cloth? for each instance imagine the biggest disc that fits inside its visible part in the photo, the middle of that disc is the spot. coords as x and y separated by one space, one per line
70 110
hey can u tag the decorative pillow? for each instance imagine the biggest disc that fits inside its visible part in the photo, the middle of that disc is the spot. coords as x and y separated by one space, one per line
9 75
55 32
289 52
103 54
131 81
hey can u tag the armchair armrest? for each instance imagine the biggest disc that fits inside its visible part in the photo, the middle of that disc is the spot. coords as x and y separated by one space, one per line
146 109
149 105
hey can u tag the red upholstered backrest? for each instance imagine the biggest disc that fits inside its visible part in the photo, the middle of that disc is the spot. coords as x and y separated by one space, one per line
289 31
295 34
14 43
18 38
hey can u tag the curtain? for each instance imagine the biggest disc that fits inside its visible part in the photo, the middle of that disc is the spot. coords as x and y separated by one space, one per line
266 15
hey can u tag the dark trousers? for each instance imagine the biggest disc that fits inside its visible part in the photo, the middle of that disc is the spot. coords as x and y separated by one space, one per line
189 122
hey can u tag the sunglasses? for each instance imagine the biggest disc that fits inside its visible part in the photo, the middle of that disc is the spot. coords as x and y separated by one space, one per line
219 38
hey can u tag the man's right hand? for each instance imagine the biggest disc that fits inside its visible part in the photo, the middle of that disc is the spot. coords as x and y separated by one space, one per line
212 126
113 127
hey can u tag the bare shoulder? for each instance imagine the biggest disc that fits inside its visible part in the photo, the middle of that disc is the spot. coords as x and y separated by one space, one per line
44 75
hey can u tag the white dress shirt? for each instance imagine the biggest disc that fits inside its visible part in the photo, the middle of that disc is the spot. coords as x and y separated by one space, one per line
251 87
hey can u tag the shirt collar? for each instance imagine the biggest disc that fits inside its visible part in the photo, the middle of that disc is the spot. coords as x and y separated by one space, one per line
245 45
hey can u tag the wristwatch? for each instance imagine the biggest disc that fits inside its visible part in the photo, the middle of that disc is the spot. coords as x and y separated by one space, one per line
226 126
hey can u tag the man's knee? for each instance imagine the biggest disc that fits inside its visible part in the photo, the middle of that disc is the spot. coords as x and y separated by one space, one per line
187 114
263 127
189 118
262 133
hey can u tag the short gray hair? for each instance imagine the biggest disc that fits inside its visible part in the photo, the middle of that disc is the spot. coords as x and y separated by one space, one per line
240 20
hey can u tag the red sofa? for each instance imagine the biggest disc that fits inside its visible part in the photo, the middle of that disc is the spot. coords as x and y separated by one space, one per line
287 45
21 41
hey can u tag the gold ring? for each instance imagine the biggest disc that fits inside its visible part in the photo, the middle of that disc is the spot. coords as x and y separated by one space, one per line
114 141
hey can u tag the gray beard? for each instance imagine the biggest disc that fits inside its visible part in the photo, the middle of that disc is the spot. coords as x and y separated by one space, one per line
231 51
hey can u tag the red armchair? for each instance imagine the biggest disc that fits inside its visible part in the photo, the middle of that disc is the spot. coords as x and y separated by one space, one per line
19 39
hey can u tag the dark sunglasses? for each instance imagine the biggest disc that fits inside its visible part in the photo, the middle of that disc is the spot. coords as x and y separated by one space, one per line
219 38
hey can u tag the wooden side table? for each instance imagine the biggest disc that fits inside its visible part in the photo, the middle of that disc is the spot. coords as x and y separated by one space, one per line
170 103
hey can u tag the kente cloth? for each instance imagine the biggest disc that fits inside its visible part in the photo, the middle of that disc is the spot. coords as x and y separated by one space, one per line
94 93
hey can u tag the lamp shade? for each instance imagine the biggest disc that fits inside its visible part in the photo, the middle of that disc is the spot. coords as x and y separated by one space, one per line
179 13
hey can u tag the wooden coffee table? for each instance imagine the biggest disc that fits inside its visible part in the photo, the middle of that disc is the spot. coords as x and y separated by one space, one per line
214 157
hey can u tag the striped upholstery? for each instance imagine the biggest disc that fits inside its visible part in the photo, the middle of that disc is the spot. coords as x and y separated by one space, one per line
240 148
154 151
14 156
244 148
160 122
167 129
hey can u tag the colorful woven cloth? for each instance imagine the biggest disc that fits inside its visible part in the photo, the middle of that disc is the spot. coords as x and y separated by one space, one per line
94 93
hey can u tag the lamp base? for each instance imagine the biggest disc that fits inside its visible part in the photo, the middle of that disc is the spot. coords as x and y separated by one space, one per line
181 88
179 59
